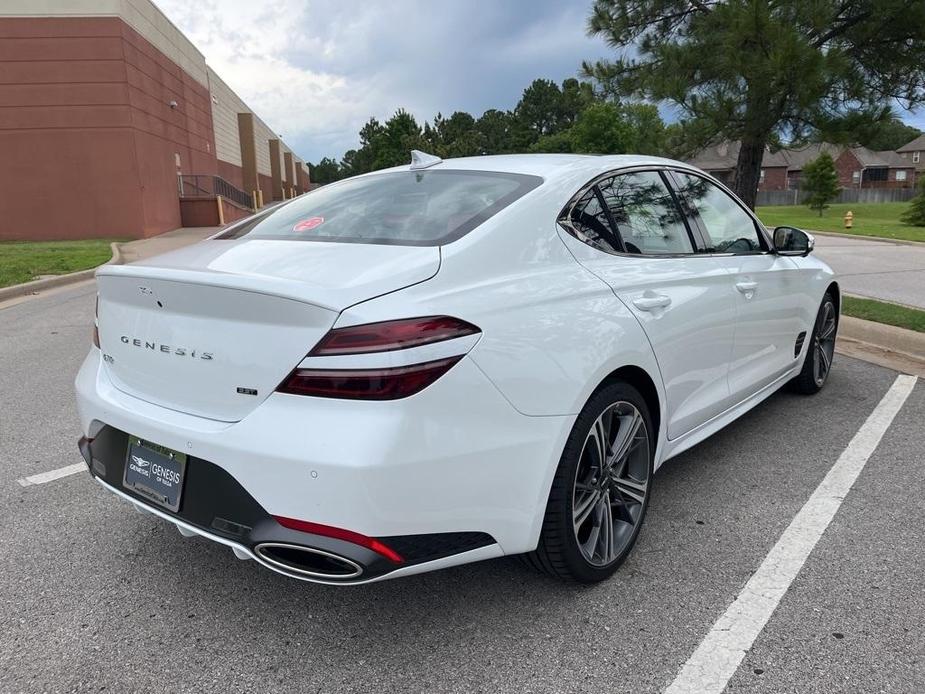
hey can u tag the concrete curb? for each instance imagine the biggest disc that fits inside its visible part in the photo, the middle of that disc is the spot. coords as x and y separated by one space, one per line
885 345
36 286
861 237
887 337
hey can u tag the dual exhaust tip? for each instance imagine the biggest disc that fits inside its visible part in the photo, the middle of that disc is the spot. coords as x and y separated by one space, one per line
308 562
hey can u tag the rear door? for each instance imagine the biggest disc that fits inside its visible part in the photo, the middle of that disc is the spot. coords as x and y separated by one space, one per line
683 300
767 286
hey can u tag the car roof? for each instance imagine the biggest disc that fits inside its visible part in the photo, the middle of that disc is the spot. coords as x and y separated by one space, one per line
551 166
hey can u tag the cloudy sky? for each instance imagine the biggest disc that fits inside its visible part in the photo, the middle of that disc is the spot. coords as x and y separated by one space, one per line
316 70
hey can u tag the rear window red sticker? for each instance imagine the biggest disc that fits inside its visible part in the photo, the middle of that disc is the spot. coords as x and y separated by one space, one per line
308 224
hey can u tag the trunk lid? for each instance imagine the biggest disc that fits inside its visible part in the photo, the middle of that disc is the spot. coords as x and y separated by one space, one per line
212 329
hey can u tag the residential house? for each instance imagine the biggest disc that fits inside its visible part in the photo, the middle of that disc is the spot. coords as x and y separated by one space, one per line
857 167
914 153
720 159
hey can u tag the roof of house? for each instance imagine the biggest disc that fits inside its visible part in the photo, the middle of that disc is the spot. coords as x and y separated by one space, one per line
886 158
917 145
799 157
723 156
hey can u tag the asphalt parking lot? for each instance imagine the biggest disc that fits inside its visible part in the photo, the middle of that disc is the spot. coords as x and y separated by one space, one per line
95 597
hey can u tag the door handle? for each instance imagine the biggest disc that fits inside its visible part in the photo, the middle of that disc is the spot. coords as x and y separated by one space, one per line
653 302
746 287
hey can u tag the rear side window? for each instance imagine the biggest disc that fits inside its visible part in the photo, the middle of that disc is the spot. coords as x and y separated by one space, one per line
408 208
589 220
646 216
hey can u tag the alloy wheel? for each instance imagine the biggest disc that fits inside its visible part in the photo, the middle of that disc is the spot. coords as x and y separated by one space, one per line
611 483
824 343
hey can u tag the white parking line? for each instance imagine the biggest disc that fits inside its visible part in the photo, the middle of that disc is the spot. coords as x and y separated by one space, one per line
718 656
52 475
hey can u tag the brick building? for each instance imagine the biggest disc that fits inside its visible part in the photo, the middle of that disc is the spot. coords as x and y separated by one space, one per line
914 153
112 125
858 167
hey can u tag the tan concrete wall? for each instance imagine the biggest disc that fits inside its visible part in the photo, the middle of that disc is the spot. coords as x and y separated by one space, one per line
262 136
226 105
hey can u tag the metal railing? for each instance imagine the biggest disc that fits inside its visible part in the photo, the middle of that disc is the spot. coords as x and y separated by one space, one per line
208 186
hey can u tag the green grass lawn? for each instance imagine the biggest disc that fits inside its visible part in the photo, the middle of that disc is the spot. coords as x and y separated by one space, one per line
883 312
870 219
21 261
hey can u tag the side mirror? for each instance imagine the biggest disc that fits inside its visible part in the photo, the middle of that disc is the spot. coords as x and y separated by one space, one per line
793 241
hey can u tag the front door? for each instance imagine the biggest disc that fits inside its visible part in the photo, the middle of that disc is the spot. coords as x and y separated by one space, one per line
683 300
767 287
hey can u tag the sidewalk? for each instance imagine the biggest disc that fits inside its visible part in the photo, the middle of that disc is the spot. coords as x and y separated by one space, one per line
169 241
886 270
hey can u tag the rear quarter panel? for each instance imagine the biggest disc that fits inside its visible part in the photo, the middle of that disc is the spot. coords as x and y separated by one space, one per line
551 330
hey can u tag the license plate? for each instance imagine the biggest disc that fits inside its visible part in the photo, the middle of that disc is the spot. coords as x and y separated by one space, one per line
154 472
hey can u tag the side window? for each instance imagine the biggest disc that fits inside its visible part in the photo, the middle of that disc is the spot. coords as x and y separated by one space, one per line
729 228
647 218
590 224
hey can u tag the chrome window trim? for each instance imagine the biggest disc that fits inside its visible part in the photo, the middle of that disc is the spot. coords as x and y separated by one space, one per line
564 217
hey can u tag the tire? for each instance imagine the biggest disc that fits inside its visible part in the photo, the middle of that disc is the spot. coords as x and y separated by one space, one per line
820 353
568 547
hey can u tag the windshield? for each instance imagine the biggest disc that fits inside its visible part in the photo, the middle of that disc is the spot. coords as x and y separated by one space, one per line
411 208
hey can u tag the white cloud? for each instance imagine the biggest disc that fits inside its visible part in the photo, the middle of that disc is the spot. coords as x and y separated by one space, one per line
316 71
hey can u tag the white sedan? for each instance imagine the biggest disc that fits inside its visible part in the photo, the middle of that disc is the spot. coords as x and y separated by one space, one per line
447 362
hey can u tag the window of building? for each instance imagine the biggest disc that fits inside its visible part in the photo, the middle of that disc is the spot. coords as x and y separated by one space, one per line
878 174
915 157
855 176
900 174
761 176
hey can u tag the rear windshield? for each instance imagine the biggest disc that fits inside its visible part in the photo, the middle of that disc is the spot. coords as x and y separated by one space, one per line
409 208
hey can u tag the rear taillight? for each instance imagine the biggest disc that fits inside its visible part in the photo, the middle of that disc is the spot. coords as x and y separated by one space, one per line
367 384
341 534
391 335
96 323
373 382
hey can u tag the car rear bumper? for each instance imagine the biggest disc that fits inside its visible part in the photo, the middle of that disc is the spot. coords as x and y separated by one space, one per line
452 474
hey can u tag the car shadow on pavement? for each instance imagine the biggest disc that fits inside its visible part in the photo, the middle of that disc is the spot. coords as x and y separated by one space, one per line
715 512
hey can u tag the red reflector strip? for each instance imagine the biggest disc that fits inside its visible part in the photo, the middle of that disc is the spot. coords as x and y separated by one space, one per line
341 534
367 384
391 335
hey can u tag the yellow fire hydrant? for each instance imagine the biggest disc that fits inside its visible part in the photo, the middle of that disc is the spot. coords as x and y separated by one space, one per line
849 219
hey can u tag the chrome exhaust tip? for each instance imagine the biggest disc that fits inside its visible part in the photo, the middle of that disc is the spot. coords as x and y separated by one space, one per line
307 562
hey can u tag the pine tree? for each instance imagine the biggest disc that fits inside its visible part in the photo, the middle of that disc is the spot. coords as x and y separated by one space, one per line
915 215
820 180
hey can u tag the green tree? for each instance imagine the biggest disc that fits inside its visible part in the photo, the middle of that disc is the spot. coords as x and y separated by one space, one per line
393 145
820 180
889 134
325 171
575 97
556 143
747 69
495 131
915 214
539 109
457 136
352 164
647 128
601 129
